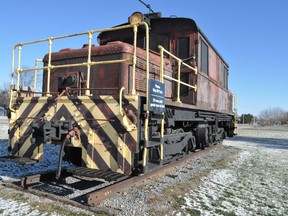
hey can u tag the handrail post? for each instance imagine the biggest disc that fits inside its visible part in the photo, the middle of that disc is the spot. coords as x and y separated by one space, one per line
179 80
135 29
147 62
19 66
147 76
120 101
49 65
12 80
147 69
146 123
87 92
161 64
163 114
162 136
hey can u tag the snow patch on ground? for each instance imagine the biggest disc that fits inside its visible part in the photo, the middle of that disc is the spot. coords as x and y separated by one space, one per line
13 208
256 183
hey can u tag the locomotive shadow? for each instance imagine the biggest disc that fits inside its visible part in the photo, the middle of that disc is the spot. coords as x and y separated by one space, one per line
263 142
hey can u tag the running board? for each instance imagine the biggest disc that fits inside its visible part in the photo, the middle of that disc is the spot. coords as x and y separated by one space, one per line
19 160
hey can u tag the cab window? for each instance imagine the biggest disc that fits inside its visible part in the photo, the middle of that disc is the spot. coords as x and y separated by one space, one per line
156 40
183 47
204 57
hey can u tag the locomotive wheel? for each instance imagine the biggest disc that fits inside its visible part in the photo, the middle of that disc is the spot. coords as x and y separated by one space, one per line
202 136
191 145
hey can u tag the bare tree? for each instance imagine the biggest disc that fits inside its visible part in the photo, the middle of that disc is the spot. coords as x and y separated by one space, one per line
4 96
26 78
273 116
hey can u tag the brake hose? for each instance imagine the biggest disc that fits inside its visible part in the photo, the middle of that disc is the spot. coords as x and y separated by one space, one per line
66 140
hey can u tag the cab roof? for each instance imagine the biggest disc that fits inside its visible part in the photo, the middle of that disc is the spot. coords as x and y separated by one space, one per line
158 25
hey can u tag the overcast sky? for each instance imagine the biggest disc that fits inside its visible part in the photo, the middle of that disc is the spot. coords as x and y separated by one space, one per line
251 35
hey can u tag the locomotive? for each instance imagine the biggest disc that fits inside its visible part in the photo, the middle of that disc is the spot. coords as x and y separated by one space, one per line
152 91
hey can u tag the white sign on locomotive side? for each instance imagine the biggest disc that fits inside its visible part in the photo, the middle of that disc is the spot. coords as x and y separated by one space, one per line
156 96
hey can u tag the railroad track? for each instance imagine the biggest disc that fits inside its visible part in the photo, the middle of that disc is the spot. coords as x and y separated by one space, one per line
85 188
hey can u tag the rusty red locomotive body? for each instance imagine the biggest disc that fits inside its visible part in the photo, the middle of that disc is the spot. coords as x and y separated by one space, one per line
153 90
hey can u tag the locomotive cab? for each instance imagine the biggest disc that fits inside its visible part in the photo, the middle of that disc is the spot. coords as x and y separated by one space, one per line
184 39
177 36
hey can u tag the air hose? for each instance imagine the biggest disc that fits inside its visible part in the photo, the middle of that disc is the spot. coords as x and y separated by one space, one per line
70 134
66 140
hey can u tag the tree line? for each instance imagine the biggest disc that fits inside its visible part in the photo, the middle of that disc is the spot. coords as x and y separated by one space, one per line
26 79
4 96
273 116
269 116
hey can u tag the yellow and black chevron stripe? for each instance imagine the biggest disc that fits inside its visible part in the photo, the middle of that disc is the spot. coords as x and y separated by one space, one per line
105 142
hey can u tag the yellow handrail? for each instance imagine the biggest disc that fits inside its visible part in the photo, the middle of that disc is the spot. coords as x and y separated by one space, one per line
87 92
49 65
18 66
88 63
178 59
178 80
146 122
235 110
76 65
135 29
120 101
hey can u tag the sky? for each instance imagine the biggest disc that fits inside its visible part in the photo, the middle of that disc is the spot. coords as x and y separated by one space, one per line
251 35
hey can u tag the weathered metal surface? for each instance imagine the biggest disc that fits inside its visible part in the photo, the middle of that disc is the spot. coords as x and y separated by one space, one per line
29 180
104 141
41 177
96 173
107 79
